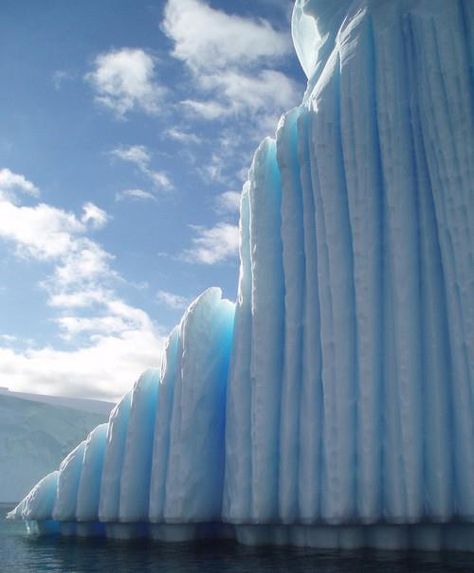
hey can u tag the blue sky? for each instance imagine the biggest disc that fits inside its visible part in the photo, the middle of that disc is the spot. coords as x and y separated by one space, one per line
126 131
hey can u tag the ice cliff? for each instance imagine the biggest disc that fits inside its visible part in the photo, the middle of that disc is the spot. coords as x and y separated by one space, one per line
35 436
335 406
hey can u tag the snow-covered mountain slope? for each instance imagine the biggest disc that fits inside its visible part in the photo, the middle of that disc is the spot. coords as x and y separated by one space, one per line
34 438
82 404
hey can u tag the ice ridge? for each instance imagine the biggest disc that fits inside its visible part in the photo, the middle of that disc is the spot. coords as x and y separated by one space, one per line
333 405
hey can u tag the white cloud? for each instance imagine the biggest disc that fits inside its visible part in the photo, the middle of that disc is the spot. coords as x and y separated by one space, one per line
136 154
206 38
124 81
134 194
45 233
172 300
74 325
213 245
8 338
183 136
253 92
229 57
139 156
160 179
84 263
207 109
262 95
112 341
104 369
117 318
228 202
81 299
94 215
41 232
11 183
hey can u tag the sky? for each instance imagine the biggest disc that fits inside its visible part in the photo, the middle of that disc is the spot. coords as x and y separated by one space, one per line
127 128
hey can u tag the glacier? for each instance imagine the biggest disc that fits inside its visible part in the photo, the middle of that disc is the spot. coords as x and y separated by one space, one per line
332 405
35 435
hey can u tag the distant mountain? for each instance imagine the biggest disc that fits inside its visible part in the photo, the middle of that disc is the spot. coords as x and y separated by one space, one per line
82 404
36 433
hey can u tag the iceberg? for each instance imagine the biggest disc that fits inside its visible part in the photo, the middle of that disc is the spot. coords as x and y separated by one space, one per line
333 405
35 435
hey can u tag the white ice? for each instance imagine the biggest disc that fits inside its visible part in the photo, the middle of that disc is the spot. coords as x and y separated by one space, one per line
335 407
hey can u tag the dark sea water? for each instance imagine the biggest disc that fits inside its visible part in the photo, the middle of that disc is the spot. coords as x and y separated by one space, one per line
22 554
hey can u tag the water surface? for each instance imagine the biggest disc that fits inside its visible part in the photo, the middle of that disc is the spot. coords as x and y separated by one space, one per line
22 554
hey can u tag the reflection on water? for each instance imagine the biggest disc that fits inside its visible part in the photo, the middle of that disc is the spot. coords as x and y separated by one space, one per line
21 554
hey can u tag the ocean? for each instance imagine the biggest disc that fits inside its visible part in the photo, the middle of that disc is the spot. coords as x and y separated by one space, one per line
20 553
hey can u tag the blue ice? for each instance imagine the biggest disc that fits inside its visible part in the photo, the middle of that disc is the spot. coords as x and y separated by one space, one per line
333 404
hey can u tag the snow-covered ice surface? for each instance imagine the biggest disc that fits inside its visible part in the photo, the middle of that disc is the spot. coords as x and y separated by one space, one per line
34 437
335 407
82 404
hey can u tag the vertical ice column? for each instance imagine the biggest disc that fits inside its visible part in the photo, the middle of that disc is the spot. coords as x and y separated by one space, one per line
292 235
91 474
136 469
268 323
195 476
113 462
170 372
403 373
437 400
238 462
39 503
443 51
310 426
68 485
361 154
336 290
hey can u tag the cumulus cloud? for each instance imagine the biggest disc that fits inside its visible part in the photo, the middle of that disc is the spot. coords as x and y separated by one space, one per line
172 300
206 38
183 136
139 156
207 109
8 338
85 262
104 369
212 245
124 81
118 318
12 183
136 154
111 341
41 232
229 57
80 299
44 232
94 215
234 66
266 93
253 92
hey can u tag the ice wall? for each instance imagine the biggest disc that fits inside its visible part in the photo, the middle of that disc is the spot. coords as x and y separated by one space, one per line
39 503
161 456
372 416
349 397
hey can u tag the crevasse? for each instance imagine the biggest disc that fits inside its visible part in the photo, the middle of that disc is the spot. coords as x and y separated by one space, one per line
333 405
